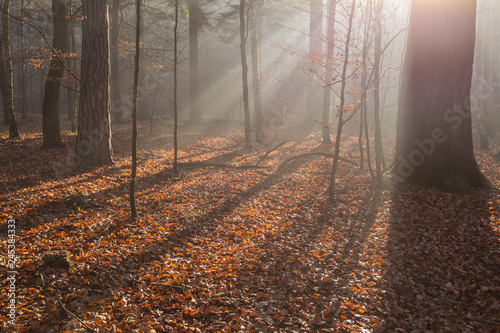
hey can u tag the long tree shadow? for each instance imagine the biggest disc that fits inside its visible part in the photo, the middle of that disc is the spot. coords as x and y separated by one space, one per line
443 260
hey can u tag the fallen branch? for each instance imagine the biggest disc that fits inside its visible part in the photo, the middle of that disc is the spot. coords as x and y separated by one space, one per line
65 309
319 153
269 152
74 315
223 165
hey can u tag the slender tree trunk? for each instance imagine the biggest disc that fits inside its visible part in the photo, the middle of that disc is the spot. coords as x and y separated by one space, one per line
24 86
116 99
133 176
314 100
176 113
93 142
376 99
257 102
6 76
330 46
144 111
244 67
434 134
331 188
51 99
194 70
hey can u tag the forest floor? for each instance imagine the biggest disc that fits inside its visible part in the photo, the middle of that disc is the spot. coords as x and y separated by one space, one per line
236 250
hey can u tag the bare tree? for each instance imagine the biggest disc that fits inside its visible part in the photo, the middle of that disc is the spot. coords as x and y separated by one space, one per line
133 176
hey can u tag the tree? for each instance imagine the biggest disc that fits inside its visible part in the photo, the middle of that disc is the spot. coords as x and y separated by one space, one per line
244 67
60 46
115 69
133 176
343 86
176 61
379 5
93 142
254 52
6 77
434 132
194 70
330 46
313 106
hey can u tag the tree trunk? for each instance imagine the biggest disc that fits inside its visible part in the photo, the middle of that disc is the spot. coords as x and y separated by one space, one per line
330 46
314 100
51 99
176 112
6 77
144 111
116 99
93 143
244 68
434 134
257 103
333 174
24 86
194 68
376 99
133 176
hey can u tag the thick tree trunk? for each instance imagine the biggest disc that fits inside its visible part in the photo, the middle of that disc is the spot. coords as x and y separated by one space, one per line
434 134
244 68
257 103
50 108
6 76
194 70
330 46
93 143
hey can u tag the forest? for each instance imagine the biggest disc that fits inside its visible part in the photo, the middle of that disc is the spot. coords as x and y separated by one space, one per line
250 166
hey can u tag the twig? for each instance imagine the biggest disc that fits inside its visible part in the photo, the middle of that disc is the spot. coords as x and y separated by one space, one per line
73 315
269 152
493 323
314 154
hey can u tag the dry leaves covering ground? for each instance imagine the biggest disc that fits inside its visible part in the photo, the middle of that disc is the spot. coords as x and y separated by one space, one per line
232 250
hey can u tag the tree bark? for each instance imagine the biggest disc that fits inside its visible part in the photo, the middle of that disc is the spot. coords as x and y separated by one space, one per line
6 76
434 133
194 68
93 142
51 99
